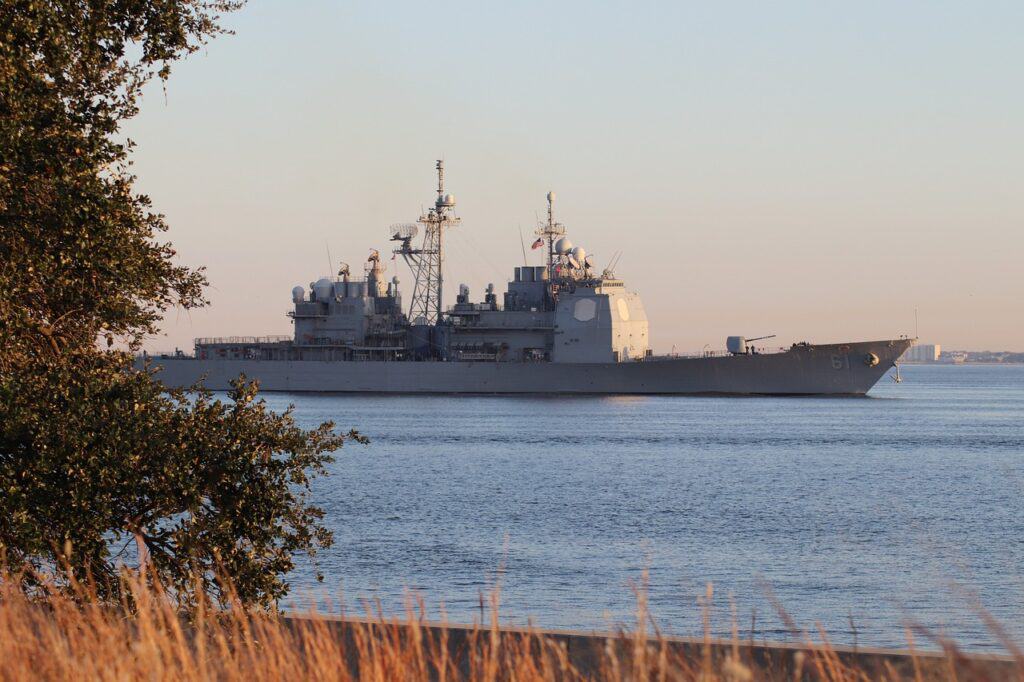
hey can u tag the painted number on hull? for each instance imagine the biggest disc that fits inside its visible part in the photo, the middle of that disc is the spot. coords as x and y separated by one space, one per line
840 362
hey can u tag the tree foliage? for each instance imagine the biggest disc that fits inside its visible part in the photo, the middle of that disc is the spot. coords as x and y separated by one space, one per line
93 454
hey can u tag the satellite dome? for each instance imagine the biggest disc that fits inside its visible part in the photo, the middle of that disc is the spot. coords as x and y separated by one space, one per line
551 196
563 246
580 254
324 289
447 200
298 294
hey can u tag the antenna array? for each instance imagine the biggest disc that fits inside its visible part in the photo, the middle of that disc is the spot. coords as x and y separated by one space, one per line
427 262
551 231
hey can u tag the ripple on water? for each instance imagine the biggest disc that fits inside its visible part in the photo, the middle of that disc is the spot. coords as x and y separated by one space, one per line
882 510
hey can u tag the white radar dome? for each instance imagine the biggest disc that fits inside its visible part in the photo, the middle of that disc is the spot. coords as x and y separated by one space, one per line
563 246
448 200
324 289
551 197
298 294
580 254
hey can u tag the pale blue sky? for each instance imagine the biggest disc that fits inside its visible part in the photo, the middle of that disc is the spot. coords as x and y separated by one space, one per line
815 170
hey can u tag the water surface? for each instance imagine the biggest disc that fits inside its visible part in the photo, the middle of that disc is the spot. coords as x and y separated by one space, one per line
862 514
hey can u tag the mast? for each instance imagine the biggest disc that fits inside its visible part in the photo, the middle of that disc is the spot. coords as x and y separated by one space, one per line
441 212
551 238
427 262
550 232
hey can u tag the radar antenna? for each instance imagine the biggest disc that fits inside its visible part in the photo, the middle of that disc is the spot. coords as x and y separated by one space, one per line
427 262
403 232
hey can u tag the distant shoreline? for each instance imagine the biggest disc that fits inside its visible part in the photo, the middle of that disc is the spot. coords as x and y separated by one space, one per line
961 364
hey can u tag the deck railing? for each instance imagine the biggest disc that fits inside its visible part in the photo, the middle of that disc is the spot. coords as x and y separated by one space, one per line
212 340
766 350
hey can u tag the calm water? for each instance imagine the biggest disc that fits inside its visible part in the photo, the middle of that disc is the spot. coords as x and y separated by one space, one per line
877 511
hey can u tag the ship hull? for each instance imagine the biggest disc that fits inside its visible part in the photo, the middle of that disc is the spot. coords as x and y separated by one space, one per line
834 369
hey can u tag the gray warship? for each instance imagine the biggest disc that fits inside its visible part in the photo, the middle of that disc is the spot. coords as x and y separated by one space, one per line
560 328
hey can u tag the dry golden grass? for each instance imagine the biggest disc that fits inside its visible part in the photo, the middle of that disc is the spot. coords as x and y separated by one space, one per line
59 638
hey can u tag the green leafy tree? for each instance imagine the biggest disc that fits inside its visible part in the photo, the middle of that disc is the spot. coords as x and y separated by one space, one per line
94 456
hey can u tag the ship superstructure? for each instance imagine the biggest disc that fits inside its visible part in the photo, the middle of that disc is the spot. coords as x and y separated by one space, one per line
559 327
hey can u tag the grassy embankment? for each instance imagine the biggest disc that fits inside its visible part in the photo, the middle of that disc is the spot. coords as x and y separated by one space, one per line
59 638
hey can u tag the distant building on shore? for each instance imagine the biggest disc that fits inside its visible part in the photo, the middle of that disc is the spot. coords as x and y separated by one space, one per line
985 357
924 352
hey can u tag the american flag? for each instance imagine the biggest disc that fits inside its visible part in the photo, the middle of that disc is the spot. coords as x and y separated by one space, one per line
539 243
